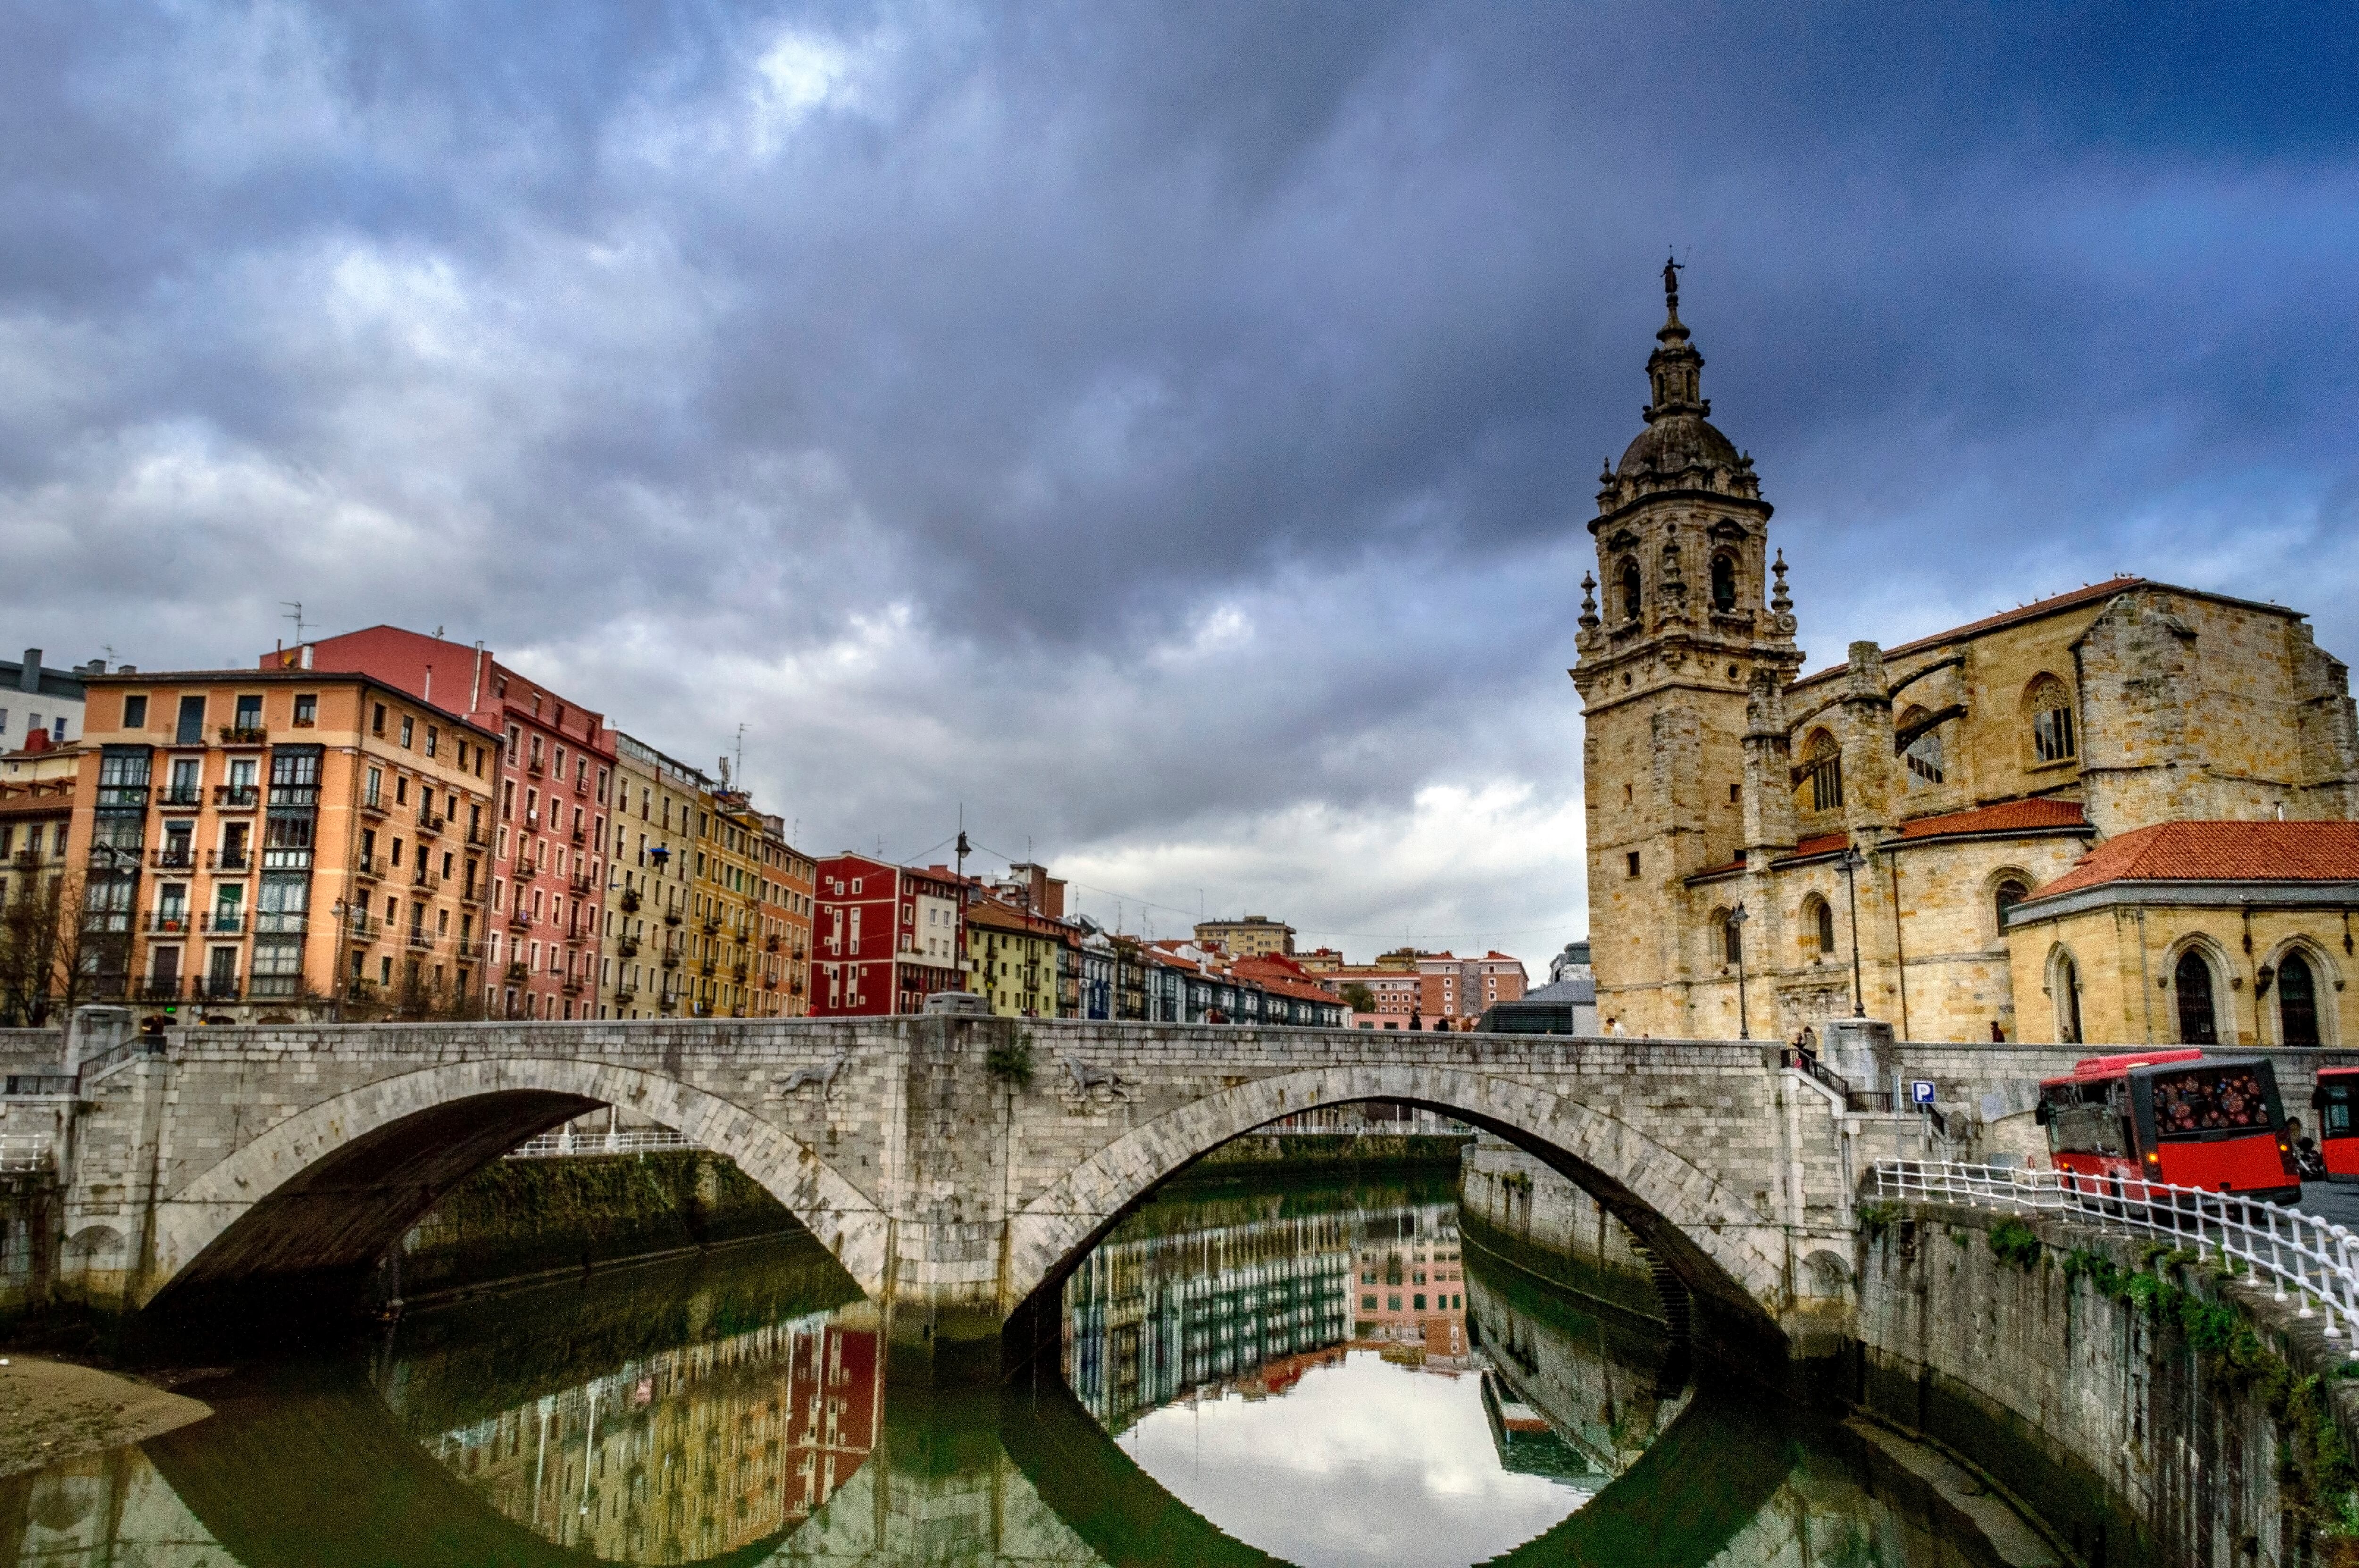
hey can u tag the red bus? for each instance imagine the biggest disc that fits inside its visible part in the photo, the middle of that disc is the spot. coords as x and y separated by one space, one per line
2336 1101
2178 1116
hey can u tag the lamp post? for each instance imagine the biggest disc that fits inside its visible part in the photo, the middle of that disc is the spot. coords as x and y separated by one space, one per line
1852 862
1736 919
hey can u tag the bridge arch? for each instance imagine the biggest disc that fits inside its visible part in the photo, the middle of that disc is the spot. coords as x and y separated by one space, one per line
1707 1234
334 1186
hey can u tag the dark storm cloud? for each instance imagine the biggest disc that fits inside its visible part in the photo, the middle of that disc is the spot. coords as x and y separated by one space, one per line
1166 430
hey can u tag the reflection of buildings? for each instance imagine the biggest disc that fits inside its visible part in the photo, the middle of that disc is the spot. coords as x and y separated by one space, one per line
688 1453
1411 1283
1149 1319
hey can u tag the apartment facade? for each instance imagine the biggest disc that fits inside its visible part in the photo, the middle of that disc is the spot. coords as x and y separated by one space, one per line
39 701
556 767
886 936
656 801
278 843
1253 936
1018 959
38 789
788 907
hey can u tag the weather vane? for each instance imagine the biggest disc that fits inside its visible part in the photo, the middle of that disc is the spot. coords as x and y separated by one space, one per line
1671 269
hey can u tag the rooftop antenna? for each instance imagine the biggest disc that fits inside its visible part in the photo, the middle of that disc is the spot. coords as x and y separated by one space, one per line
740 751
295 608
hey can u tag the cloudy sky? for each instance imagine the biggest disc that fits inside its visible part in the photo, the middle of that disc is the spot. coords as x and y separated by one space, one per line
1165 431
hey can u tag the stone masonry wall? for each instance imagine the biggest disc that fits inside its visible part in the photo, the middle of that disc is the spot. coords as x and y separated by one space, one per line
2124 1416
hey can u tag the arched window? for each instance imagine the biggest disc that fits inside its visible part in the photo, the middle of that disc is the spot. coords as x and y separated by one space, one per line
2198 1022
2050 703
1818 925
2065 987
2297 1000
2004 897
1724 582
1732 940
1631 592
1822 771
1923 754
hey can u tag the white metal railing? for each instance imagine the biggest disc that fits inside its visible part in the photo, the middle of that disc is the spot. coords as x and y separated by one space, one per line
24 1151
2302 1257
614 1141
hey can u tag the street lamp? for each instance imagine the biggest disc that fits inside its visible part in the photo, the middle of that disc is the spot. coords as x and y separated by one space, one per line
1852 862
1736 919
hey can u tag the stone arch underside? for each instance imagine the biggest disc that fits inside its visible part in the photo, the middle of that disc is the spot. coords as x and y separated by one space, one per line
1705 1232
331 1187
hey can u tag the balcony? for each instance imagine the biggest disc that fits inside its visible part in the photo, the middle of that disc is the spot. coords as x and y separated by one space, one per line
175 858
516 974
523 871
123 795
420 940
630 901
628 947
236 798
582 882
672 917
625 996
361 928
239 859
376 806
712 927
671 958
189 796
708 968
770 944
769 982
169 922
533 766
431 825
281 922
215 988
571 986
243 735
425 878
737 972
359 989
519 918
226 923
581 784
158 990
474 891
368 867
478 836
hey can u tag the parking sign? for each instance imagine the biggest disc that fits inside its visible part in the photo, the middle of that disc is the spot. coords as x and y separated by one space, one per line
1921 1091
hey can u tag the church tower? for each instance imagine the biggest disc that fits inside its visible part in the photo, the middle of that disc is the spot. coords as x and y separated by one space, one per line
1682 672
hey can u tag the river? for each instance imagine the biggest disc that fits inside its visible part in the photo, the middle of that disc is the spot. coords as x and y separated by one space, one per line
1254 1373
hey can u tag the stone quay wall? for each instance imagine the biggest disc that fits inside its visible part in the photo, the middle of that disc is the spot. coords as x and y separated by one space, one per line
2144 1408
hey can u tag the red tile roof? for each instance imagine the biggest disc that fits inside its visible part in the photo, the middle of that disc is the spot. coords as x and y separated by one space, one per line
2008 816
2220 852
1822 844
2032 612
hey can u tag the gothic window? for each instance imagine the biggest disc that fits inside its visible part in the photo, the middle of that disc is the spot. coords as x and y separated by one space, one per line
1629 590
2297 1001
1822 771
1818 921
2005 897
1731 941
2051 720
2192 980
1923 754
1724 583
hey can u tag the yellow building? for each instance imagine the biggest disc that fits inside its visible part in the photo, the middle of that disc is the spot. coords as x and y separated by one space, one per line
1018 958
1766 849
649 896
1255 937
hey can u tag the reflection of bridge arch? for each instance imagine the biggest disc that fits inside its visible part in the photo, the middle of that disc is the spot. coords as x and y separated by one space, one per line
337 1184
1706 1232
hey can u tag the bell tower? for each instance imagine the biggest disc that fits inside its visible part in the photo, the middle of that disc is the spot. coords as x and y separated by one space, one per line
1682 671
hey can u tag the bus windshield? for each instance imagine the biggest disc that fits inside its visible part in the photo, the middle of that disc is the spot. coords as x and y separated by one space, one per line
2204 1100
2086 1119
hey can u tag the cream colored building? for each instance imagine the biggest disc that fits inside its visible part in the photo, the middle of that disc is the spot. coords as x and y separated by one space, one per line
1255 937
1875 822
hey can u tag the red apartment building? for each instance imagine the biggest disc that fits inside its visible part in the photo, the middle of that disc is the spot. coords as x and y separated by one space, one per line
549 872
887 936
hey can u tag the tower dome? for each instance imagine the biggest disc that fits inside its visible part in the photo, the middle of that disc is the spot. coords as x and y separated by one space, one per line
1678 436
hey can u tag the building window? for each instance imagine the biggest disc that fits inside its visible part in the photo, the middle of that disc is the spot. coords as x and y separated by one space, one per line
2010 893
409 728
1731 941
1631 595
306 710
135 714
1819 920
2064 989
2297 1001
1822 771
191 730
2051 721
1632 861
2198 1023
1724 583
249 713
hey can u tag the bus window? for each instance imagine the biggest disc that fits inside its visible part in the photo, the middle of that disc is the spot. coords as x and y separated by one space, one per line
2091 1128
2209 1100
2334 1120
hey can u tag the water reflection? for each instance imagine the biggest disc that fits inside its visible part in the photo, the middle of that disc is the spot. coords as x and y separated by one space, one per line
1248 1393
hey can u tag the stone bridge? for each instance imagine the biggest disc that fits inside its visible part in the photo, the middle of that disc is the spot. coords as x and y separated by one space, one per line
955 1187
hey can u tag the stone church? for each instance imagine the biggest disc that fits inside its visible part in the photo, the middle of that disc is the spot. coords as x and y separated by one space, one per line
2124 814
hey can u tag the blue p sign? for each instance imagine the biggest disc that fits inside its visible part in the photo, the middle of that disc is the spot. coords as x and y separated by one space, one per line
1921 1091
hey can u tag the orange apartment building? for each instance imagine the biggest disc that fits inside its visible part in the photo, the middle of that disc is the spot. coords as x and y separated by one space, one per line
282 842
555 772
